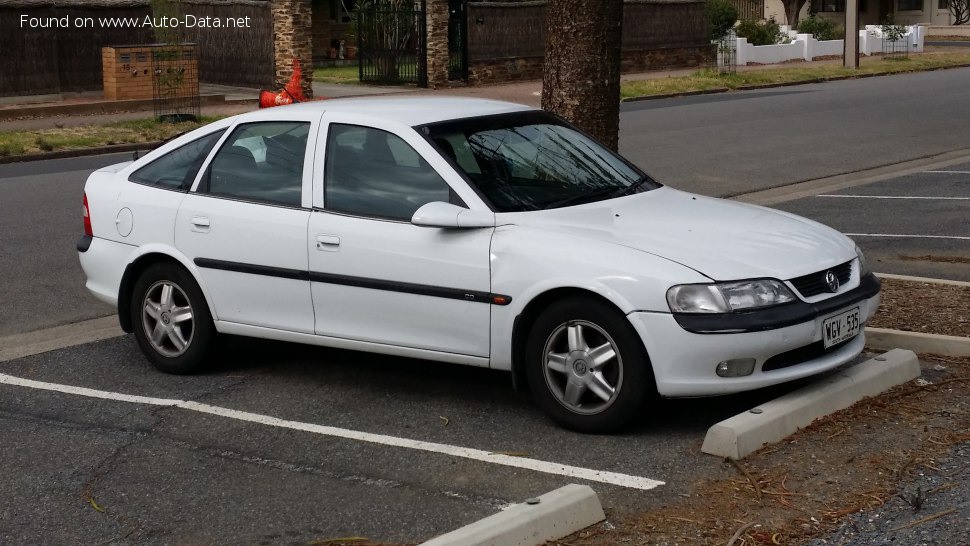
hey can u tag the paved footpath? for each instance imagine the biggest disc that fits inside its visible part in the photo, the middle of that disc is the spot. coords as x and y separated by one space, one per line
241 99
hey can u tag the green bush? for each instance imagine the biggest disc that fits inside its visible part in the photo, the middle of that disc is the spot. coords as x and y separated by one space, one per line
821 28
760 32
721 16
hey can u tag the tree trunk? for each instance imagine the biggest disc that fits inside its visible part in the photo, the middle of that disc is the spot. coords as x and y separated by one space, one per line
792 9
581 72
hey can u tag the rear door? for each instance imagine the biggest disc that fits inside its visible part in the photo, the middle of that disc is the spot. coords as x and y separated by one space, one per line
244 224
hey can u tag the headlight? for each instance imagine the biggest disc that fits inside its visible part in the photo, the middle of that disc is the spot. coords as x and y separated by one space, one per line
863 266
725 297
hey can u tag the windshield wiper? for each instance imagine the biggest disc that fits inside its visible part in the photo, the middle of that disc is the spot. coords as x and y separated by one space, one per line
581 198
608 193
631 188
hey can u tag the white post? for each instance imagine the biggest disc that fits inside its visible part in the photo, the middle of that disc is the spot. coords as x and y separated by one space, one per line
850 51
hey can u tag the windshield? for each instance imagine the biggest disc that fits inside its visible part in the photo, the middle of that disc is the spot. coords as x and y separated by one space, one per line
533 160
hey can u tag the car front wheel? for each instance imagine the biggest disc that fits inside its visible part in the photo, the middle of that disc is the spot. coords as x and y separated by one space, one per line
172 323
586 366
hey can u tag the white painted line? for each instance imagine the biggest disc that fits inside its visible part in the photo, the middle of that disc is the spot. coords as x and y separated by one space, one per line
948 172
896 197
612 478
90 393
901 236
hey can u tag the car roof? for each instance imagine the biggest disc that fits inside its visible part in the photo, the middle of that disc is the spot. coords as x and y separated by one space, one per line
407 110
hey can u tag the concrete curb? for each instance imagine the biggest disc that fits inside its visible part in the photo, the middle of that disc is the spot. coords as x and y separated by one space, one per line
79 152
918 342
94 108
59 337
745 433
909 278
558 513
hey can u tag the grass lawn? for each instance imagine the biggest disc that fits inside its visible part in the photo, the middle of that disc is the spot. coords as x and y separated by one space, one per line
337 74
87 136
706 79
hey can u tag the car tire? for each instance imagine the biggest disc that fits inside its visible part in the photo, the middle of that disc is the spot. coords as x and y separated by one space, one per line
586 366
171 319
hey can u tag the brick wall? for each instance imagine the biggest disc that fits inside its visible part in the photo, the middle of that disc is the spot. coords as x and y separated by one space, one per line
128 72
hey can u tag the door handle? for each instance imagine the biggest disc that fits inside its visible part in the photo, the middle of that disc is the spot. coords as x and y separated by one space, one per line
200 224
328 242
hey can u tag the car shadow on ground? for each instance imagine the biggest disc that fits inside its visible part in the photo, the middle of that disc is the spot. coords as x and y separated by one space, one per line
437 384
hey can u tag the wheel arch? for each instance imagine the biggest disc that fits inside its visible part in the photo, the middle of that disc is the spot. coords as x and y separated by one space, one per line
527 317
136 268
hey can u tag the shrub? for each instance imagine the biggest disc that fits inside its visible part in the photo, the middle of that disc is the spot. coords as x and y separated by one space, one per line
760 32
821 28
721 16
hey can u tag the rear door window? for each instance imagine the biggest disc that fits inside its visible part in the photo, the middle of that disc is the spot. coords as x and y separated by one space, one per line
260 162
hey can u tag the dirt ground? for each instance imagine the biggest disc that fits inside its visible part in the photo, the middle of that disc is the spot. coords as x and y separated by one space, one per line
924 307
805 486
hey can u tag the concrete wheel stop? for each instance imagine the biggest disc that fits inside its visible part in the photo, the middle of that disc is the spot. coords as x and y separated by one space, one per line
552 516
745 433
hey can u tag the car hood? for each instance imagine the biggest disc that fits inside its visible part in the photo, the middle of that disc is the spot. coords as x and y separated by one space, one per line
723 240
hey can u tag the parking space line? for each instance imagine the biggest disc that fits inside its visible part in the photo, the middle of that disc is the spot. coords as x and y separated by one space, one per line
903 236
589 474
949 172
895 197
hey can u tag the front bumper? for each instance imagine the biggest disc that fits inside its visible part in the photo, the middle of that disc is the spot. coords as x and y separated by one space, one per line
684 362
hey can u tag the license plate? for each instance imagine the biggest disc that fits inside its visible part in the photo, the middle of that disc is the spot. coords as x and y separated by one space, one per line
841 327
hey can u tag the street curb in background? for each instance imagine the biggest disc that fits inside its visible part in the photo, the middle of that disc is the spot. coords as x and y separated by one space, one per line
753 87
745 433
558 513
100 107
79 152
59 337
918 342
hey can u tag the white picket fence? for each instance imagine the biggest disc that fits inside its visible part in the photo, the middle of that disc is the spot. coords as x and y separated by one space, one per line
807 48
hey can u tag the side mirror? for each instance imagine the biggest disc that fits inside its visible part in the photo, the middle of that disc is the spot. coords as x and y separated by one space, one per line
445 215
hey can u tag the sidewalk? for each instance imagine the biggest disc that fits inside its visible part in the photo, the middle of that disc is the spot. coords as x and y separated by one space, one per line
235 100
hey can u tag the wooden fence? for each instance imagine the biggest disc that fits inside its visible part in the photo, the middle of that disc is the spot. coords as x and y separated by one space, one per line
502 30
38 61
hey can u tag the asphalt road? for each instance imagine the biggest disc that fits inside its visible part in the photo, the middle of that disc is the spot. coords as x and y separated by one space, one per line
163 475
40 223
916 224
732 143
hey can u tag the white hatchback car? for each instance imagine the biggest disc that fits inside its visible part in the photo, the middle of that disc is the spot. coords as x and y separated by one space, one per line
467 231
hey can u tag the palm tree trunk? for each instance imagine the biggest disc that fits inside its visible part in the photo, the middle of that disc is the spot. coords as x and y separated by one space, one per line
581 72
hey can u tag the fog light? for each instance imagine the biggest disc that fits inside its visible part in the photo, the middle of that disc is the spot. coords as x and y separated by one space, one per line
736 367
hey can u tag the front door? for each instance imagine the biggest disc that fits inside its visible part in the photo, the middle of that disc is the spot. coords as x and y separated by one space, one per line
377 278
244 225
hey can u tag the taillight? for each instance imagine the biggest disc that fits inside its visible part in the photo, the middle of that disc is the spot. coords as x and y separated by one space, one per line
87 218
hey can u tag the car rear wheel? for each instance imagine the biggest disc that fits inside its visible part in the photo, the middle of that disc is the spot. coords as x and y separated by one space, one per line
586 366
171 320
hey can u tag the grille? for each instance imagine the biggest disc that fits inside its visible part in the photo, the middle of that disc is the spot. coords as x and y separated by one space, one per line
814 284
800 355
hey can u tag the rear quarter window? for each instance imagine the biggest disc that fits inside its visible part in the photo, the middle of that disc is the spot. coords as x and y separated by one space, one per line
177 169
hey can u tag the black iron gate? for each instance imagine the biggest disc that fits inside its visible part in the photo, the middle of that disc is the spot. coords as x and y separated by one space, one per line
458 39
391 44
